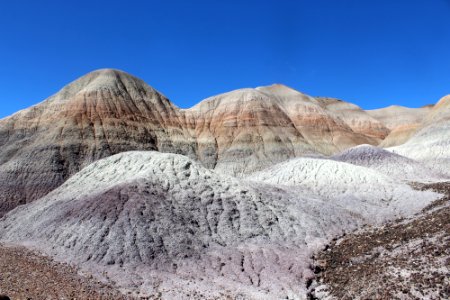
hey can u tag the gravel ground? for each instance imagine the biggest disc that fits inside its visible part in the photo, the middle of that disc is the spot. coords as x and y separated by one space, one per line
405 259
27 275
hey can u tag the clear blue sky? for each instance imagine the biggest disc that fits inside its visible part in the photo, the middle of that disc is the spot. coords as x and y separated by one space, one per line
371 52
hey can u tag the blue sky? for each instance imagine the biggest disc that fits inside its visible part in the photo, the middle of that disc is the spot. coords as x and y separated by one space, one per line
372 53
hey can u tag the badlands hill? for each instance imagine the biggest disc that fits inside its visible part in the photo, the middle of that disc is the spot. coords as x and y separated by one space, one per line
163 224
249 129
109 111
401 121
359 120
231 198
395 115
430 144
347 184
98 115
389 163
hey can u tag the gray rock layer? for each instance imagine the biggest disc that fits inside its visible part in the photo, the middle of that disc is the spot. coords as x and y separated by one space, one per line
101 114
108 112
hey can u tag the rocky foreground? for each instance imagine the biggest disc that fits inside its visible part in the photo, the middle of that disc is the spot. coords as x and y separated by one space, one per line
405 259
27 275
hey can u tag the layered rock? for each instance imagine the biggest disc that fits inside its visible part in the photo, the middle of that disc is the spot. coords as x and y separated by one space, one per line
402 121
239 130
108 112
430 144
400 135
98 115
249 129
395 115
440 113
323 127
164 225
359 120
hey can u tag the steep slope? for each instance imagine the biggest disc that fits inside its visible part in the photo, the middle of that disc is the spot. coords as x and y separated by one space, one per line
358 120
391 164
432 141
164 225
249 129
402 121
323 127
239 130
100 114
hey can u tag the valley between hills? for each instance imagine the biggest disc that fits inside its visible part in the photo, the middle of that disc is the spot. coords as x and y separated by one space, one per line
110 191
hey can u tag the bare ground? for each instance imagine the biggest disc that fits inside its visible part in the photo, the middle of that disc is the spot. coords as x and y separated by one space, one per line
25 274
405 259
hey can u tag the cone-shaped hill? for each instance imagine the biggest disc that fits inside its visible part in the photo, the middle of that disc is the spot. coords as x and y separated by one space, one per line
98 115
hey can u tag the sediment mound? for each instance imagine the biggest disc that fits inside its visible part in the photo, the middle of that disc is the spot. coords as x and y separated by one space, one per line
391 164
161 223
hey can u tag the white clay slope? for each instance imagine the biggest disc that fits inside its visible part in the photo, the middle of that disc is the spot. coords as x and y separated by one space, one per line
162 224
388 163
367 192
